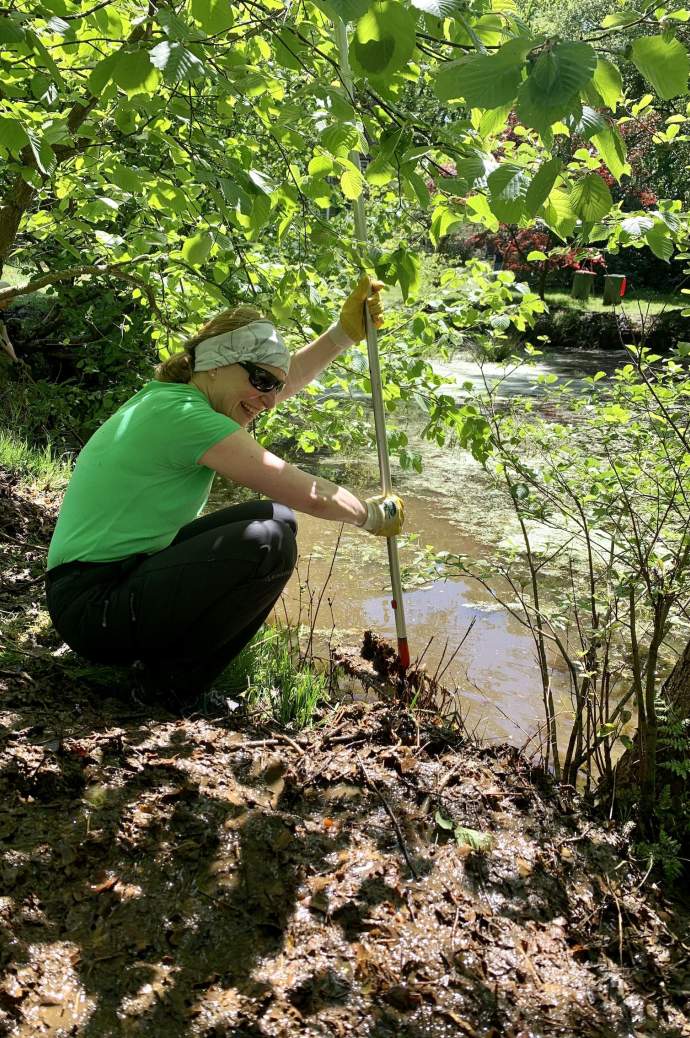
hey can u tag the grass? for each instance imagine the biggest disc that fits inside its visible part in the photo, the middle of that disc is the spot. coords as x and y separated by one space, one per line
37 468
650 301
268 675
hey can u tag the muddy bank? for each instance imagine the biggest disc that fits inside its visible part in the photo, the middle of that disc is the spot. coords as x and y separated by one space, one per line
377 875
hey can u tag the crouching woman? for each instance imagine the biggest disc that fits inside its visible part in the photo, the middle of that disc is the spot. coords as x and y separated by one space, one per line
134 572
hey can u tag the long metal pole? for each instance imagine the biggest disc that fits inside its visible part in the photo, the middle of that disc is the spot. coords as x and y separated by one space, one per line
375 374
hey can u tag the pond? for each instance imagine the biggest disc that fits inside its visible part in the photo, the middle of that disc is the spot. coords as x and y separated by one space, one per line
450 506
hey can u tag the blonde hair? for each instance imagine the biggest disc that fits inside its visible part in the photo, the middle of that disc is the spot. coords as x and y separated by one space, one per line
180 366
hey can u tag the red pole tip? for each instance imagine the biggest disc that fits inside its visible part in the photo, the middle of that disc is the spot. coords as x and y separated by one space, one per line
404 652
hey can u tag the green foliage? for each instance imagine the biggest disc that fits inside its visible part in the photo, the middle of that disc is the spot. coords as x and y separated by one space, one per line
472 838
270 676
668 829
215 163
664 854
664 62
384 39
83 356
600 504
37 467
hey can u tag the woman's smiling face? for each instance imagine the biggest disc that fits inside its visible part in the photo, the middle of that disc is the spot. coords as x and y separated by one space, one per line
231 393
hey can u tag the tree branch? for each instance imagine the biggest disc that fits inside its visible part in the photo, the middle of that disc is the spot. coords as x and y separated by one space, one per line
86 270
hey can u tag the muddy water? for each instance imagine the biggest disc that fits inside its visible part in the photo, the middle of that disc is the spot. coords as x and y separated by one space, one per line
450 505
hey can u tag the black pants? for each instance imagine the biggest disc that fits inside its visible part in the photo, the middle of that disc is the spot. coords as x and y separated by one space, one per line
188 610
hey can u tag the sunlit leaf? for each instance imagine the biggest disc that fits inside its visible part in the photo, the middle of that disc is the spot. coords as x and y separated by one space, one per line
611 147
608 81
508 189
542 185
196 249
384 39
664 62
134 72
591 198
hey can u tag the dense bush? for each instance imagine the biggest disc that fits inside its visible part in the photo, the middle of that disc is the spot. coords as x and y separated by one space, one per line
82 351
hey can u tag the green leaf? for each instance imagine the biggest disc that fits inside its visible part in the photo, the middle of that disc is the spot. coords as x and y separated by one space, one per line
10 32
474 166
379 172
214 16
493 120
196 249
659 241
352 183
443 221
664 63
259 182
473 838
349 10
125 178
591 198
609 82
439 8
443 823
101 74
340 139
384 39
485 80
611 147
613 21
559 214
45 58
589 123
508 189
320 165
407 268
561 72
419 187
541 117
319 191
13 136
134 72
542 185
479 211
176 62
636 226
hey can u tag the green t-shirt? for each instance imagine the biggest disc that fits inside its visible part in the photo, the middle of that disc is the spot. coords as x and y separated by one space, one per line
137 481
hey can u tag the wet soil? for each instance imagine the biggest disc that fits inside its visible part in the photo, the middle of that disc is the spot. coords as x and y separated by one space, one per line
377 875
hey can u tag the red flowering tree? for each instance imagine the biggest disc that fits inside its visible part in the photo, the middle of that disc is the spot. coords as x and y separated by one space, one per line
531 251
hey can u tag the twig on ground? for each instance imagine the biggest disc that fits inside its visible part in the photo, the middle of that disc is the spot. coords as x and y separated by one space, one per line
398 831
291 742
574 839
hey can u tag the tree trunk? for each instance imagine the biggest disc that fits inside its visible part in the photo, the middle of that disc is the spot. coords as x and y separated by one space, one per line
676 688
16 202
676 692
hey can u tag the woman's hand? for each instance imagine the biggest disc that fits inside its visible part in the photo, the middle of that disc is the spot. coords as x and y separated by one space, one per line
352 314
385 515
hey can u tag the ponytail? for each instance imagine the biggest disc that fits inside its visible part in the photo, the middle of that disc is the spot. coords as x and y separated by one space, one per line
177 368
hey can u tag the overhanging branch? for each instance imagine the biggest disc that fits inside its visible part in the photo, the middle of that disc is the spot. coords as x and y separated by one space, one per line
85 270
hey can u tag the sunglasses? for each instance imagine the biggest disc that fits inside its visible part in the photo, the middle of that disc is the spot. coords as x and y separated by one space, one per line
261 379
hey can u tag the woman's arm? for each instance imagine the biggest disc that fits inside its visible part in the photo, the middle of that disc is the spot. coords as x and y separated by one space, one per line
240 458
310 361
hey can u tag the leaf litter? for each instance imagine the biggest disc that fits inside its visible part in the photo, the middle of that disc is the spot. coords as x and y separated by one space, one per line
376 875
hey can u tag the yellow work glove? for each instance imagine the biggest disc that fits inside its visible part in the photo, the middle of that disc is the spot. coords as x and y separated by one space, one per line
385 515
350 328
